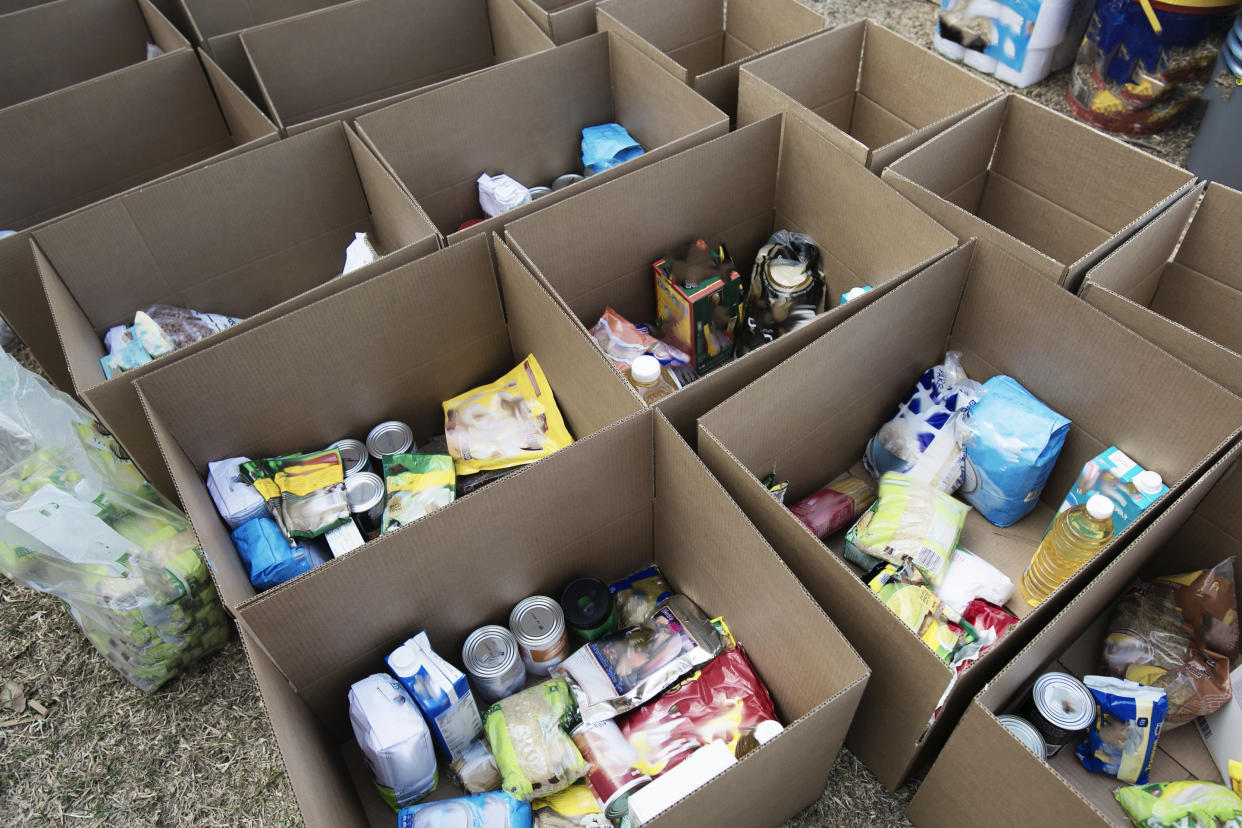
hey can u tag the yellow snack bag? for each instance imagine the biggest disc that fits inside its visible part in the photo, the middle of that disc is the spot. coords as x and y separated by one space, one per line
510 422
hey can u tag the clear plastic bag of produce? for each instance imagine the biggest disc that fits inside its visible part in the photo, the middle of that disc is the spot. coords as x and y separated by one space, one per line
79 522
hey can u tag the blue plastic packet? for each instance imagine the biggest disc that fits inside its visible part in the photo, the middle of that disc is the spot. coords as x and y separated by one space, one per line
489 810
607 145
1012 441
1128 718
267 555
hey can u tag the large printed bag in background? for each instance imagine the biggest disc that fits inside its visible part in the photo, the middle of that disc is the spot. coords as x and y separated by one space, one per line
79 522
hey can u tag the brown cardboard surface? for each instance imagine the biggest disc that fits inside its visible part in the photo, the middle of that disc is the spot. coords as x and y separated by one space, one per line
1176 283
871 92
286 211
1199 529
739 189
649 508
1050 191
55 45
702 43
812 431
525 119
562 20
68 149
403 357
351 58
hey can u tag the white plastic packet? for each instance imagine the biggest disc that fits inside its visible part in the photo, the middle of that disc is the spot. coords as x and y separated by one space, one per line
394 739
499 194
970 577
359 253
236 500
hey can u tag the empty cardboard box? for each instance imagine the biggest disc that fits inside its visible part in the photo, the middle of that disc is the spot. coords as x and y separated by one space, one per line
355 57
73 147
1177 282
870 91
562 20
986 777
216 25
1051 191
525 119
703 46
251 237
401 344
639 495
58 44
596 250
810 418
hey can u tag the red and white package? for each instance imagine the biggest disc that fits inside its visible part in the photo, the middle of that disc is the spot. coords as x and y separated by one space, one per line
720 701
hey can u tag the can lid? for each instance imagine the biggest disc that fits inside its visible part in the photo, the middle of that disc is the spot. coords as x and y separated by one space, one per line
587 603
391 437
1026 734
353 455
1064 701
365 491
489 651
539 192
537 620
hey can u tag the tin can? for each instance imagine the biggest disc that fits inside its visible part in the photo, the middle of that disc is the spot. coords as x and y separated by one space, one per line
1060 707
563 181
354 455
539 192
389 438
366 502
1026 733
588 607
612 775
539 627
491 657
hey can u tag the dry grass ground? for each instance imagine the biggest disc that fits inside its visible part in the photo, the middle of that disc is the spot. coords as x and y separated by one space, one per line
80 746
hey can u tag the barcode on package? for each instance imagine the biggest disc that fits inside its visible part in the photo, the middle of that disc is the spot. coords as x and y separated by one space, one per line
928 559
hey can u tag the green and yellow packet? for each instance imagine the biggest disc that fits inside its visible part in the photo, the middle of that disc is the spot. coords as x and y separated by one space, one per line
304 492
416 485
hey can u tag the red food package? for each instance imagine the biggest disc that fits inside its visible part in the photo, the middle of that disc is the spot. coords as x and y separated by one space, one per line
720 701
990 622
834 507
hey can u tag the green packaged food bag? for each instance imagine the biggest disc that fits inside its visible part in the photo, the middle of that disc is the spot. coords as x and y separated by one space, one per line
1189 804
416 485
911 521
80 522
528 733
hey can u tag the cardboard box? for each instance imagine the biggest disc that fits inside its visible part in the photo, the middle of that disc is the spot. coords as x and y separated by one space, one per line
58 44
217 24
254 236
810 418
985 777
562 20
525 118
739 189
342 61
404 342
870 91
1176 282
700 45
639 495
74 147
1052 192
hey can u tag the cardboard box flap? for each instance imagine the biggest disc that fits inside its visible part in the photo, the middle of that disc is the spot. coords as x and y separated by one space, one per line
669 27
287 209
55 45
51 162
954 164
1212 245
216 17
1202 304
245 119
642 99
829 90
763 24
514 34
362 51
562 21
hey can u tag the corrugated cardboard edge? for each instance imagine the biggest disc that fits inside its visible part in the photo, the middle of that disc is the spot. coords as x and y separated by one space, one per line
565 24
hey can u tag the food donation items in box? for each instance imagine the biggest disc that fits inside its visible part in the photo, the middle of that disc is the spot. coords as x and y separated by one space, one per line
579 727
289 514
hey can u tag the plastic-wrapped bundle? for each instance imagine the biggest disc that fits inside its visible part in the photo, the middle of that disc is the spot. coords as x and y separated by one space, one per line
81 523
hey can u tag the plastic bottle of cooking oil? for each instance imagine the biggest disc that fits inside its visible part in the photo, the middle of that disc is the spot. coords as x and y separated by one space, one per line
1074 538
650 379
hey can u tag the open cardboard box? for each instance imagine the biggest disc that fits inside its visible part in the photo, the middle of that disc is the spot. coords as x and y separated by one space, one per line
1177 282
986 777
562 20
870 91
355 57
638 495
254 237
403 343
217 24
70 148
810 418
58 44
703 46
739 189
525 119
1052 192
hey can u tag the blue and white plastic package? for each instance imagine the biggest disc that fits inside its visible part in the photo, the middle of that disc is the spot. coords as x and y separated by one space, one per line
268 557
489 810
607 145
